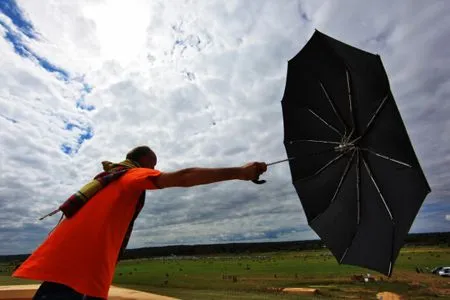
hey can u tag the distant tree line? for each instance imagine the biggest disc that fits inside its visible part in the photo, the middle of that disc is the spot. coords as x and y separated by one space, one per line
231 248
416 239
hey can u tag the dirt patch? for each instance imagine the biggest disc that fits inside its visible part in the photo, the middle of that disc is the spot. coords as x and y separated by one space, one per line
301 291
26 292
389 296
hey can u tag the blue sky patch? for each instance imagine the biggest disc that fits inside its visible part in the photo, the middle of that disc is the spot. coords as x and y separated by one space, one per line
70 126
270 234
81 104
273 234
15 38
9 119
86 134
21 49
10 9
66 149
60 73
87 88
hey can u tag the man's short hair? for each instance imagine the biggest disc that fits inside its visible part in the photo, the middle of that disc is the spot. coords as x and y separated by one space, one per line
139 152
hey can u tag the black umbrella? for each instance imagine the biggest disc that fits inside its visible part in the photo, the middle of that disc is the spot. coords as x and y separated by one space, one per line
351 160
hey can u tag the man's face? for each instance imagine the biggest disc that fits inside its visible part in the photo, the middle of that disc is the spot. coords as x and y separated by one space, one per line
149 161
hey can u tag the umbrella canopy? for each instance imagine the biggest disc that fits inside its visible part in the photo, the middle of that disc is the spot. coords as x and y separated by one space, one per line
351 160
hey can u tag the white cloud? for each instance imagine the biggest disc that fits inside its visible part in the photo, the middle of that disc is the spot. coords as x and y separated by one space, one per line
201 83
447 217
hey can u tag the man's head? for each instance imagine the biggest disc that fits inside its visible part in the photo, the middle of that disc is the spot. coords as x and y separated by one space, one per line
144 156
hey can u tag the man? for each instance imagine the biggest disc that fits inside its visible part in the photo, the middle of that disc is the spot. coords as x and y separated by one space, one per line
78 258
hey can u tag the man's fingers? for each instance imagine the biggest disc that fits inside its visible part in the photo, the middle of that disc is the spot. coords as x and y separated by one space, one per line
262 167
255 169
259 168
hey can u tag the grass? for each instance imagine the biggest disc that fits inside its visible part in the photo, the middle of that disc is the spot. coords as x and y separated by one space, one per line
261 276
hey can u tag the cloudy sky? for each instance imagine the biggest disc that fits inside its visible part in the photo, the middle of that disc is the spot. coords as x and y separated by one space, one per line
201 83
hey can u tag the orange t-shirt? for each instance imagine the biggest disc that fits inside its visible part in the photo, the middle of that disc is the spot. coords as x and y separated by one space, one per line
82 251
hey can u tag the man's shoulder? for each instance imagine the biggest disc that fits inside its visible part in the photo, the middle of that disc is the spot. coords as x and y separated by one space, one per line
142 171
140 178
140 174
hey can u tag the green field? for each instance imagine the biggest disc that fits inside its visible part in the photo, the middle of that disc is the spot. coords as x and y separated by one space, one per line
262 275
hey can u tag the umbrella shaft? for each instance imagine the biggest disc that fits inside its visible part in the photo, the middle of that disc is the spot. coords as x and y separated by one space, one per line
280 161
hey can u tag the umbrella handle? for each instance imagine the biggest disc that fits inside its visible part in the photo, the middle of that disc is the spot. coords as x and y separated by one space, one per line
257 181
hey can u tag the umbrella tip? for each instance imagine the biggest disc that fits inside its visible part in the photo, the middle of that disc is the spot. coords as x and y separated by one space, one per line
390 269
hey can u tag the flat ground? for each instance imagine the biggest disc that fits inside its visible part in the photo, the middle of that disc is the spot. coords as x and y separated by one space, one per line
263 275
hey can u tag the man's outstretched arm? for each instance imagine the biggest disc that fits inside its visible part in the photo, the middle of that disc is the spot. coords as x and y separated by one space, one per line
198 176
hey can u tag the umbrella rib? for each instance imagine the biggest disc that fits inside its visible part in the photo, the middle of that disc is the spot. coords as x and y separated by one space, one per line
358 186
369 124
358 182
343 255
344 174
325 122
386 157
378 189
352 116
321 169
314 141
333 106
358 204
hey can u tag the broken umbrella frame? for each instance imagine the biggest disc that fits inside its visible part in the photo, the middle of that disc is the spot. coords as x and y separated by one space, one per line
351 160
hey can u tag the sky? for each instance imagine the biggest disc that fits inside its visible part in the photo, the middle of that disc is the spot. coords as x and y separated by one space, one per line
201 83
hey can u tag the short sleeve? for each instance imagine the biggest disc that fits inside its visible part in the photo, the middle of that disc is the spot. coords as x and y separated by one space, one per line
141 178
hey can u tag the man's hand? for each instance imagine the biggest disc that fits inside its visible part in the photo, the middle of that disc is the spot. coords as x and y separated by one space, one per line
251 171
